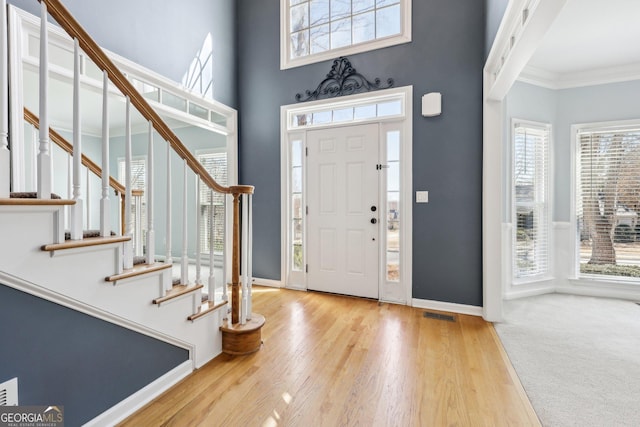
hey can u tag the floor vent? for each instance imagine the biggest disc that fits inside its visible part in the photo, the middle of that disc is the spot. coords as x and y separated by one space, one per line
438 316
9 393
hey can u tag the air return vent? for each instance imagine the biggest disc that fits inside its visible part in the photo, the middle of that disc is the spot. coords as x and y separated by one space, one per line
9 393
438 316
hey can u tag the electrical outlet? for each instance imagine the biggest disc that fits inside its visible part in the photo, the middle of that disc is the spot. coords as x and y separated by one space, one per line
422 197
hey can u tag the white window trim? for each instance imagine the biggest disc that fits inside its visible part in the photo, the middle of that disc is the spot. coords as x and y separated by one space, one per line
287 62
405 125
621 283
548 274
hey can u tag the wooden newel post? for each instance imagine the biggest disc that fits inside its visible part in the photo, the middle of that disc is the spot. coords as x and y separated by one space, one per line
235 262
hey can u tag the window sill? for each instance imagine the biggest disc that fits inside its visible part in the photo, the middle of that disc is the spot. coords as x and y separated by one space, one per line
532 280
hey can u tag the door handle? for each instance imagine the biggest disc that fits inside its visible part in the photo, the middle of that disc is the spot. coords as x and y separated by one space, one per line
374 221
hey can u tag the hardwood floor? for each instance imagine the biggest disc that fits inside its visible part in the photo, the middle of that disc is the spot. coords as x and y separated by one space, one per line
337 361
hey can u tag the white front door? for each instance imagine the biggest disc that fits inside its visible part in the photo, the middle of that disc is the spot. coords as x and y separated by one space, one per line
343 210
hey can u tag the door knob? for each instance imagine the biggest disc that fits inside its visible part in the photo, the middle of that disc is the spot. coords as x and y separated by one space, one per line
373 208
374 221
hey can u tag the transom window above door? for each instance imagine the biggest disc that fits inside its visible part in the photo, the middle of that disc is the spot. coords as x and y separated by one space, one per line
317 30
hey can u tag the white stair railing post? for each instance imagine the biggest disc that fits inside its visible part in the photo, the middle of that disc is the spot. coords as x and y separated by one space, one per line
76 210
151 234
44 150
5 155
128 200
249 255
184 262
212 226
169 257
244 259
105 202
198 225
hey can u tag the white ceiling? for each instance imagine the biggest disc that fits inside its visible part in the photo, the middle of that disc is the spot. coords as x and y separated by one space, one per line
592 36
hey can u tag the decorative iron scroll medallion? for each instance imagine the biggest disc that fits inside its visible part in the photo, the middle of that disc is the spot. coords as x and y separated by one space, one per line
342 80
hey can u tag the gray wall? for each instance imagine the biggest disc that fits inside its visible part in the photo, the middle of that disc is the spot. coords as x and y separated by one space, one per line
446 55
494 11
62 357
564 108
162 35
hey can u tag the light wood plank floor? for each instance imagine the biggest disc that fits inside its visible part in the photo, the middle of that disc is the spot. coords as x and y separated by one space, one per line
337 361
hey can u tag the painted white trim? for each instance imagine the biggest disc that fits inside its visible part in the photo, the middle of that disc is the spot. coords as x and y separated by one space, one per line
405 125
267 282
451 307
285 57
583 78
65 301
137 400
600 288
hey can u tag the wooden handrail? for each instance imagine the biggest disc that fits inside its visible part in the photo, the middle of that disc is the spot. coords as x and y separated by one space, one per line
68 147
64 18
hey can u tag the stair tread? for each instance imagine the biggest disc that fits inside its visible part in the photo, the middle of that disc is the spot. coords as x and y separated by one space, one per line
176 291
92 241
36 202
206 308
138 270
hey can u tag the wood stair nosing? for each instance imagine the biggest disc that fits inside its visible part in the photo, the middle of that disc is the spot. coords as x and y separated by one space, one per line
177 291
91 241
138 270
206 308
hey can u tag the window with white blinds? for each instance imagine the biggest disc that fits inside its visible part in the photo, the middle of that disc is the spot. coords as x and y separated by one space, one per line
608 200
138 182
530 200
211 204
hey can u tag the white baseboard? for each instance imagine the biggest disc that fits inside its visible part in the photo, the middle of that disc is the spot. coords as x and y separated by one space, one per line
137 400
471 310
267 282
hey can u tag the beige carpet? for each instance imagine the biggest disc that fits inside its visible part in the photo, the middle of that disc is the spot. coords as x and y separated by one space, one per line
578 358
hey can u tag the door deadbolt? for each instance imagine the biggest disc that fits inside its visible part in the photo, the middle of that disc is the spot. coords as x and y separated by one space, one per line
373 209
374 221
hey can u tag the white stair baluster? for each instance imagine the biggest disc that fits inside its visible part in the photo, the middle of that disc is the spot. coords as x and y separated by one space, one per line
45 176
212 226
184 265
128 200
225 296
88 192
168 258
76 210
198 225
151 236
5 155
249 255
105 203
244 259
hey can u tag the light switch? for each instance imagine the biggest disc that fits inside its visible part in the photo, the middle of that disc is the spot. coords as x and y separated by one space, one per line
422 197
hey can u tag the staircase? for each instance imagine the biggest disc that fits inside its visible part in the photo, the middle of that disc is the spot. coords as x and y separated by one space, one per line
48 252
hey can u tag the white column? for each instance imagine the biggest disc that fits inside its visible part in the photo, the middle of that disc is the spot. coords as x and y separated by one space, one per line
244 259
249 255
5 155
128 200
76 210
45 176
198 225
212 226
149 188
184 265
105 203
168 258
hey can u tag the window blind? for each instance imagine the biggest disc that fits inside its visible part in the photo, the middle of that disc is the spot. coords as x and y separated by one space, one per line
608 201
216 164
530 207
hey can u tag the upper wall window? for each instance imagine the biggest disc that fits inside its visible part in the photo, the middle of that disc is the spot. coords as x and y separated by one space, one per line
608 201
317 30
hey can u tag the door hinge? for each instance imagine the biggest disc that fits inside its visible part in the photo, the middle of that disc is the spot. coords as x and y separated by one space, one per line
306 210
306 268
306 151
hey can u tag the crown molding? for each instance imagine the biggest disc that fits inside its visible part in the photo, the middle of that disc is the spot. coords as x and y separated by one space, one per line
599 76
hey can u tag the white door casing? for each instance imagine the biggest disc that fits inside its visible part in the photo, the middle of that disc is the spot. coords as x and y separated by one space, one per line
343 210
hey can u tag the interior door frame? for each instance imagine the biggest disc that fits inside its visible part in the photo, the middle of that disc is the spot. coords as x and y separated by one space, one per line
395 292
